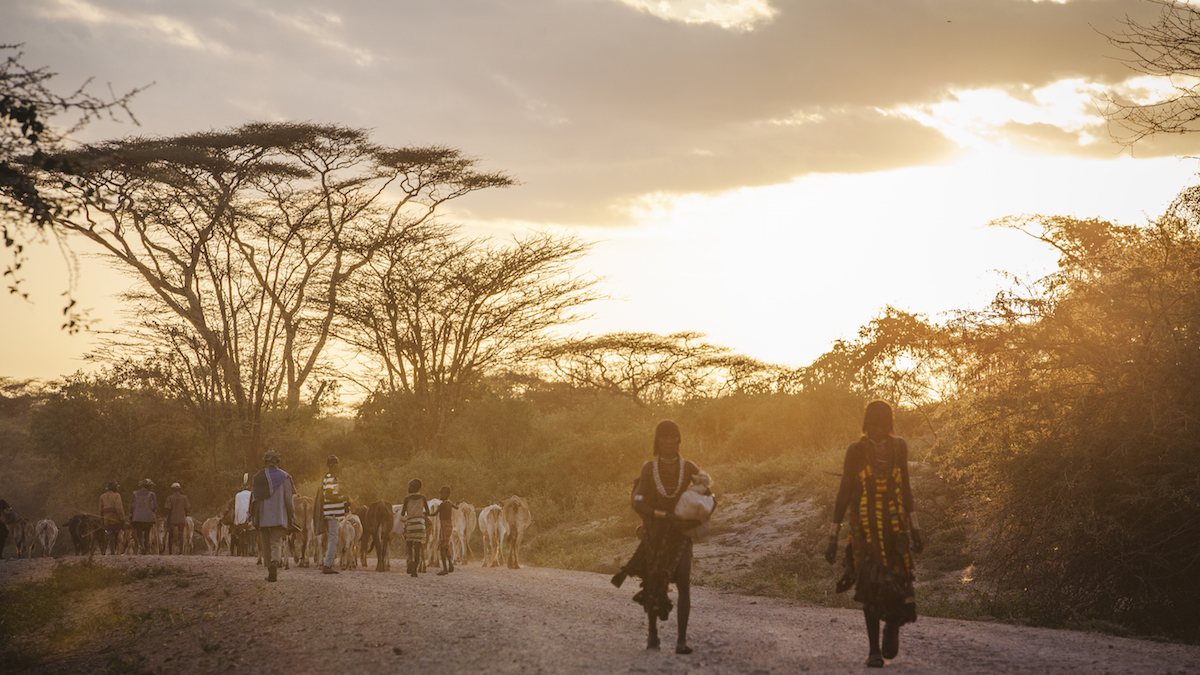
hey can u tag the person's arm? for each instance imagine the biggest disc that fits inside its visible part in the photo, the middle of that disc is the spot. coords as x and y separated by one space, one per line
850 470
906 498
641 496
289 504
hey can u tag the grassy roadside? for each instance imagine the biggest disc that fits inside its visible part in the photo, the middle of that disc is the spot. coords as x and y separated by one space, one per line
41 616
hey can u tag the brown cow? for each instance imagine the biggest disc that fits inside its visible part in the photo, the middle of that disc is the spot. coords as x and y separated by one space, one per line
23 537
87 532
377 534
302 539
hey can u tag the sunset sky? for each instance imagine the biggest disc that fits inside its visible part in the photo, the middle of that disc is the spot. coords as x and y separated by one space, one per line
769 172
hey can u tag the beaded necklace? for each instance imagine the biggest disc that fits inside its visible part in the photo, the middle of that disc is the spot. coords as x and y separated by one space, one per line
658 480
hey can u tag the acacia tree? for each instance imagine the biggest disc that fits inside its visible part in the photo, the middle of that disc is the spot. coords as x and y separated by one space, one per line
899 357
441 314
248 235
1076 427
1170 48
649 368
28 143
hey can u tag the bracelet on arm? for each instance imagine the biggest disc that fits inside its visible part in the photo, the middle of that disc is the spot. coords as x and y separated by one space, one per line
834 528
912 521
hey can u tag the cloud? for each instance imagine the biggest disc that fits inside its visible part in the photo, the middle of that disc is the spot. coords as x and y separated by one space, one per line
167 28
325 28
740 15
592 104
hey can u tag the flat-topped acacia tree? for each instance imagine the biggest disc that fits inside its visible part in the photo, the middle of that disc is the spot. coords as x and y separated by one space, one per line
247 235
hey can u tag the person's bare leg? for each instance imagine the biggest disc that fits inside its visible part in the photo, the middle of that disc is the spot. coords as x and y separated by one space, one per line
891 639
875 657
652 631
683 582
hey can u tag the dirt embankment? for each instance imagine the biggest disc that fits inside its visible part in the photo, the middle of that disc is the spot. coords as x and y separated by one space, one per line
221 615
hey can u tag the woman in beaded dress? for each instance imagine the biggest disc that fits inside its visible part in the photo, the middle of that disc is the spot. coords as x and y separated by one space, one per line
883 531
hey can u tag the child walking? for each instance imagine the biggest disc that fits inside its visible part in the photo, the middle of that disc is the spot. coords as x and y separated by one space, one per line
415 510
445 512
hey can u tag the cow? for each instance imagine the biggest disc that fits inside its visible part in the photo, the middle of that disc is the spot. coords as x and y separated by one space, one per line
46 534
433 534
158 536
237 535
463 521
189 536
23 537
350 530
126 542
516 521
214 534
377 531
491 527
87 532
300 540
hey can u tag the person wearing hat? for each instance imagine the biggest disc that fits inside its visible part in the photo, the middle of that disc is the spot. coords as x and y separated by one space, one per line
883 531
332 505
143 508
177 508
665 554
112 513
272 511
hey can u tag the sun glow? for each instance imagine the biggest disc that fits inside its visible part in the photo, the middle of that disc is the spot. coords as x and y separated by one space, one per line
780 272
979 118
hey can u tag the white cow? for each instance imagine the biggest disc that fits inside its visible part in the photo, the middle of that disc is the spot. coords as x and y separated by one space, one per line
214 533
189 532
350 530
516 521
491 526
463 521
46 533
433 534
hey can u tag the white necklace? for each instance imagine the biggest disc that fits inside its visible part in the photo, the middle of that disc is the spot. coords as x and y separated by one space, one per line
659 484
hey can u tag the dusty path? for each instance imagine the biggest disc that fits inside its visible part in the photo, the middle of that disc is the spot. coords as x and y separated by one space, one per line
222 616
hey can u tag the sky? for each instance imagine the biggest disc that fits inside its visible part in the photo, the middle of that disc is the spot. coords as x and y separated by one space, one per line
771 173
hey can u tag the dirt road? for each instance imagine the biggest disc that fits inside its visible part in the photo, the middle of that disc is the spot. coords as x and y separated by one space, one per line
222 616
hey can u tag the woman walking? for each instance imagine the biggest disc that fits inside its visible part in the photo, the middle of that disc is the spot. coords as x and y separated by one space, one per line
883 531
665 554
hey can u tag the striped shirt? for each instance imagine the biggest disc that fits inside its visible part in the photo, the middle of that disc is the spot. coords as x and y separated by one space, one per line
334 501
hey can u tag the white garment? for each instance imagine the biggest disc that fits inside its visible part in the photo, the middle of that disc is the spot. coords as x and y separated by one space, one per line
241 508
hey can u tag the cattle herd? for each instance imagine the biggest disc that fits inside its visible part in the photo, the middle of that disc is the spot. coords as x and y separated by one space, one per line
367 529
